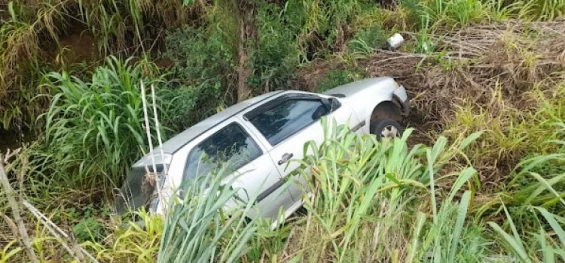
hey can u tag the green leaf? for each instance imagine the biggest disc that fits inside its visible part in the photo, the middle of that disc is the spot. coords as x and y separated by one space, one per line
470 139
462 213
553 223
514 244
463 177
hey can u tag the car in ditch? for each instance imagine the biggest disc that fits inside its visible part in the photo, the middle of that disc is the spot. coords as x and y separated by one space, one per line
260 136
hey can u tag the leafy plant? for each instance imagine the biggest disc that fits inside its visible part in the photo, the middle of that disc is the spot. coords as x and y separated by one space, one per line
367 40
96 126
277 54
88 229
135 241
203 69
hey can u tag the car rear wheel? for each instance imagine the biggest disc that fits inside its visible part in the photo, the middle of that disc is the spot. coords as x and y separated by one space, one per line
387 128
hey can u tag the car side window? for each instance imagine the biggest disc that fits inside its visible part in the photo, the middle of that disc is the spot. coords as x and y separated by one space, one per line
231 147
287 118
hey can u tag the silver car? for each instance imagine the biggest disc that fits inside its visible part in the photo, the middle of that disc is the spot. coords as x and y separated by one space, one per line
258 137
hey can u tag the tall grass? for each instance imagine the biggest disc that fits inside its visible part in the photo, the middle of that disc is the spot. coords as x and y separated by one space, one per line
209 224
367 194
30 32
455 12
19 52
538 236
94 128
370 201
542 9
460 13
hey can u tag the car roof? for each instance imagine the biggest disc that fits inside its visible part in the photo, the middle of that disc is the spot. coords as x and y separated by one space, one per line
174 144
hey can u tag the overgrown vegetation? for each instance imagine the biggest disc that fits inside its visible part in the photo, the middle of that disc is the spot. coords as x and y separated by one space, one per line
486 81
103 118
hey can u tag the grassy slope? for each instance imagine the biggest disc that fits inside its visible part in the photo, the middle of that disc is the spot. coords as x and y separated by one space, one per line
390 202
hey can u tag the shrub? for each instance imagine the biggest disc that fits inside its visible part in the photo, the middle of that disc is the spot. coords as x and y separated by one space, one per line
277 54
203 69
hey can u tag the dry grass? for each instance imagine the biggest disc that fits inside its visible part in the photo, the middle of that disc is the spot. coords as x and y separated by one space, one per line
493 77
476 62
484 77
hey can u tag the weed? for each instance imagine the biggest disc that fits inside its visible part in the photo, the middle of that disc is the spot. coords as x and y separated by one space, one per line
88 229
136 241
366 41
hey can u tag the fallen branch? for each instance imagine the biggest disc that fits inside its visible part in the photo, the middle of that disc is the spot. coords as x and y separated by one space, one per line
77 252
11 195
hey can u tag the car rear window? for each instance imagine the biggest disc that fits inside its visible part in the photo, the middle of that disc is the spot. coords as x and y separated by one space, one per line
287 118
231 147
138 190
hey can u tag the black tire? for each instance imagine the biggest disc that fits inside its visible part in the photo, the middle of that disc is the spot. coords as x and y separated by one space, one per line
392 128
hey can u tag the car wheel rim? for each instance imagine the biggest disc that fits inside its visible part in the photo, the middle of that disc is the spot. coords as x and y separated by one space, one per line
390 132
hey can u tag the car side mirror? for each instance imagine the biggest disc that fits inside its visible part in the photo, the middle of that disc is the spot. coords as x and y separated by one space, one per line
321 111
327 102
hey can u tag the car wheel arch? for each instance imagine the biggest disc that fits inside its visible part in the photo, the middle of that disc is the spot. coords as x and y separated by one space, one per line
384 110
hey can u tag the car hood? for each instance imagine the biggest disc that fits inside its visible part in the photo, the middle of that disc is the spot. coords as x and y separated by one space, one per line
352 88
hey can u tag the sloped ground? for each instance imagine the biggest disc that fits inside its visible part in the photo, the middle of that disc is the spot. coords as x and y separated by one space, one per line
501 70
493 72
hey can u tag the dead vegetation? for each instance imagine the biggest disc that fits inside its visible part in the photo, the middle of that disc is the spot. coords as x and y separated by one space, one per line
483 77
488 76
474 61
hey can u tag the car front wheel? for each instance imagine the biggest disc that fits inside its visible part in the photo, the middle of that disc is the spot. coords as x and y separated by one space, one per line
387 128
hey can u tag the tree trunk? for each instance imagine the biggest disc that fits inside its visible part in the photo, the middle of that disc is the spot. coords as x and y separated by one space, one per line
247 36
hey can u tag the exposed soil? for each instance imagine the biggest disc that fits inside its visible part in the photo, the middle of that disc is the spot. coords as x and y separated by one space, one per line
77 47
13 140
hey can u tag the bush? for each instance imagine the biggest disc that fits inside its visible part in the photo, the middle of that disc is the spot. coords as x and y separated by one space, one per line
203 70
277 54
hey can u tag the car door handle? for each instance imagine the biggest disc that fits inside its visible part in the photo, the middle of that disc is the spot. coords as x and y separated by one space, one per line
285 158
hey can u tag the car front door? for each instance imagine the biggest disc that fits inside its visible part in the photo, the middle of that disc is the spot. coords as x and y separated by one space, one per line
233 148
289 122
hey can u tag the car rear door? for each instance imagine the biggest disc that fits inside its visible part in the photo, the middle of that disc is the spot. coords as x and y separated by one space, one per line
232 145
289 122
